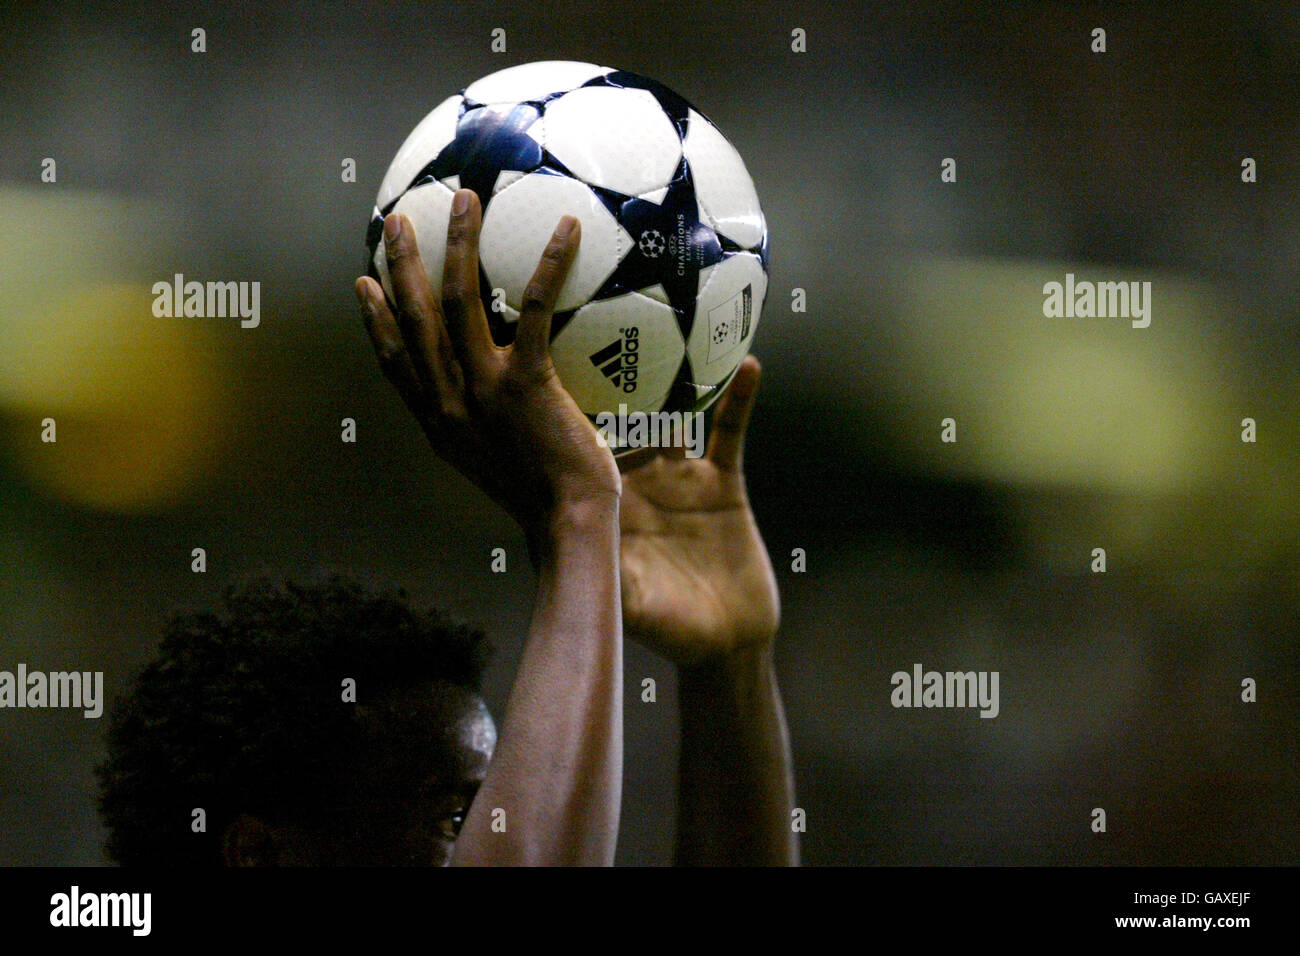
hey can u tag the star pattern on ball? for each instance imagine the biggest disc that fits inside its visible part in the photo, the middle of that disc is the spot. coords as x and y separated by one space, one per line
488 142
668 241
689 246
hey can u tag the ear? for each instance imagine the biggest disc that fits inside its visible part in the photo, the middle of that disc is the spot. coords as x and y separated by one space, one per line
248 841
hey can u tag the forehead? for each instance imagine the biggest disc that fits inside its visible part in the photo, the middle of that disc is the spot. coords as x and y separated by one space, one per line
439 722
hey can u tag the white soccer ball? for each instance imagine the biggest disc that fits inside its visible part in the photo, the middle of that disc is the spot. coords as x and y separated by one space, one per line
662 302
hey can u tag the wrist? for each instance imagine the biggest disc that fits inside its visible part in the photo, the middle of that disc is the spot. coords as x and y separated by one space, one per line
745 667
588 518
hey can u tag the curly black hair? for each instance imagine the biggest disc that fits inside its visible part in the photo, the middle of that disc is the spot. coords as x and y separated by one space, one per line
243 712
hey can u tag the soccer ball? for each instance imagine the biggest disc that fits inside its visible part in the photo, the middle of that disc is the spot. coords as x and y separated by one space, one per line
661 303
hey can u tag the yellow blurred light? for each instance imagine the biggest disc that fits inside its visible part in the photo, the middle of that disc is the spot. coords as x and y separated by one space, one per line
136 400
1105 432
1079 402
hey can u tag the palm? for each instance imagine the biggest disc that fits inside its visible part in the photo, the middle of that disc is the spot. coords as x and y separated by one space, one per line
696 577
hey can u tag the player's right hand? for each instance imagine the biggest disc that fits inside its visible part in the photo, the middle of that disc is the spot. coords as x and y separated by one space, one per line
499 415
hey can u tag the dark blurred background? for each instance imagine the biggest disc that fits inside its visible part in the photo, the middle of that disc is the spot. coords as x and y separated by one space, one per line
1119 690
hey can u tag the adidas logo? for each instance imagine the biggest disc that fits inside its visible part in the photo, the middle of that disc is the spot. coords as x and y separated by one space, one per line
617 360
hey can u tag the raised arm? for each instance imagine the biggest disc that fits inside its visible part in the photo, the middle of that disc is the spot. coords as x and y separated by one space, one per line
735 786
698 587
500 415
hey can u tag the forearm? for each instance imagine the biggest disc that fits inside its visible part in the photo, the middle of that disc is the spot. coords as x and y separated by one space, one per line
557 769
736 784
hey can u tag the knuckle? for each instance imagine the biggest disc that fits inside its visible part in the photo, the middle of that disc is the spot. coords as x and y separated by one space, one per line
459 231
373 329
389 355
522 375
453 299
513 382
399 251
555 251
411 319
447 355
535 297
449 408
456 289
481 394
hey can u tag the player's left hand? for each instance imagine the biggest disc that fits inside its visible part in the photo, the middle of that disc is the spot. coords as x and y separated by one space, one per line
697 582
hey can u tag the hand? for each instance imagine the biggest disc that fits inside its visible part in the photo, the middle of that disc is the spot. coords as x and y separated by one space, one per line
696 579
499 415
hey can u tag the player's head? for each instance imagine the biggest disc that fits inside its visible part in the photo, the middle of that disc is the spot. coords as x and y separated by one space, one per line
249 717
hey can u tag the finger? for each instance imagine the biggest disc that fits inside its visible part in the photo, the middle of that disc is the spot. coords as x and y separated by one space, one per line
389 347
462 307
533 337
727 443
418 318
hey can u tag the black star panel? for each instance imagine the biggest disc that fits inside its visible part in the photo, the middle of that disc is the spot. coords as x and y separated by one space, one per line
673 226
488 142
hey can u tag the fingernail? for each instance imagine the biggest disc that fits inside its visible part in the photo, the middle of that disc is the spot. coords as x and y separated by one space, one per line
460 202
360 289
392 227
565 227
